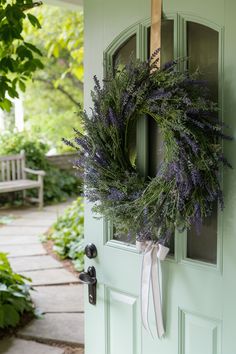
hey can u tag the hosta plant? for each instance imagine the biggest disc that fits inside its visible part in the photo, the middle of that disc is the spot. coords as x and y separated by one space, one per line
68 234
15 298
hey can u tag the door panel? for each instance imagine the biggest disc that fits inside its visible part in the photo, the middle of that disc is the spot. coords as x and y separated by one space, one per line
198 290
122 314
199 334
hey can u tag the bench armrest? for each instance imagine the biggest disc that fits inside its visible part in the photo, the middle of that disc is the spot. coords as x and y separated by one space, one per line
35 172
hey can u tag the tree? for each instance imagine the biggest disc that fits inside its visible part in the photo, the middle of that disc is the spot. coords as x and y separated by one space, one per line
18 58
54 96
61 41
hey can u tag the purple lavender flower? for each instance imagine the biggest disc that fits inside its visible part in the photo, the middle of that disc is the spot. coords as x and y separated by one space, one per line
197 122
112 117
185 188
97 86
144 235
129 108
154 55
125 98
186 101
175 170
145 215
212 194
100 158
91 175
194 146
81 141
181 203
91 195
115 195
160 94
166 236
196 177
192 111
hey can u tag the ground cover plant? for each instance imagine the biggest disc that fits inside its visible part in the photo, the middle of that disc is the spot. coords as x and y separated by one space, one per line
68 234
6 219
15 301
58 184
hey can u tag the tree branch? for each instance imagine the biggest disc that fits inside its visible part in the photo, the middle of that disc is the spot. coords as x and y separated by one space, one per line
59 88
26 7
75 81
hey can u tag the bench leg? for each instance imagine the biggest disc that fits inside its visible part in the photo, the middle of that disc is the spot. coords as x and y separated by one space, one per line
41 195
24 196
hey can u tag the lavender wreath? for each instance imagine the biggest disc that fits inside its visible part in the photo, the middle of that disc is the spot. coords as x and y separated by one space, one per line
186 186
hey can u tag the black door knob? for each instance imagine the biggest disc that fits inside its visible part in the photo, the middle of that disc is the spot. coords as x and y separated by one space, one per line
91 251
86 278
90 279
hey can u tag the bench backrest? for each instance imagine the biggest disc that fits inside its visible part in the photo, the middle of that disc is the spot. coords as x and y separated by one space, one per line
12 167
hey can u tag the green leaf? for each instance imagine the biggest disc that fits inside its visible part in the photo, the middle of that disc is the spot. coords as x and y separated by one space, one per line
7 64
23 52
33 48
34 21
12 92
2 322
3 287
6 105
11 316
38 63
22 86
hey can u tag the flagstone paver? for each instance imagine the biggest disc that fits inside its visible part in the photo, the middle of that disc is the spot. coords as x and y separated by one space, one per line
20 251
34 220
22 231
51 277
60 298
66 327
23 264
19 240
59 294
27 250
20 346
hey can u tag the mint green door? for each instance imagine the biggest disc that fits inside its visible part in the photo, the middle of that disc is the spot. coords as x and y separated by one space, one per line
199 288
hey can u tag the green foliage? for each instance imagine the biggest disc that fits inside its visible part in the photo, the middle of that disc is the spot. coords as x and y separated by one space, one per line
58 184
53 98
61 39
68 234
14 295
6 219
45 110
18 58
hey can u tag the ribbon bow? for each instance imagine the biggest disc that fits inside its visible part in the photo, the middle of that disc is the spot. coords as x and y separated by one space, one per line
152 252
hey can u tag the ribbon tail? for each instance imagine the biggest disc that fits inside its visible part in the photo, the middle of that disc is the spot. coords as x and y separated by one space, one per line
156 292
145 288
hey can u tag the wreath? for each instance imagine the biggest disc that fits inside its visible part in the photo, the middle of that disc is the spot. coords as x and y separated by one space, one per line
186 186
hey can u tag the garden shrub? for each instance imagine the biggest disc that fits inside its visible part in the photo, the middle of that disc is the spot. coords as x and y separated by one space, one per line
58 184
15 298
68 234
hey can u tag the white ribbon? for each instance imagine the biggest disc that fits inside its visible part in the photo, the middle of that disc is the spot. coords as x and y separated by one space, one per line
152 253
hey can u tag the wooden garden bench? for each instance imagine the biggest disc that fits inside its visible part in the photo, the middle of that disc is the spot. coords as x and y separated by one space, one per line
14 177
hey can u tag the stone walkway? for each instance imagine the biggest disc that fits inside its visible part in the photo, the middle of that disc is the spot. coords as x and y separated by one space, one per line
57 292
